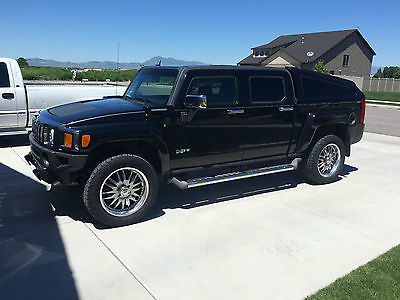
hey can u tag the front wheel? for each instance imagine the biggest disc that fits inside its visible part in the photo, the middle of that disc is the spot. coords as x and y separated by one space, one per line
325 161
121 190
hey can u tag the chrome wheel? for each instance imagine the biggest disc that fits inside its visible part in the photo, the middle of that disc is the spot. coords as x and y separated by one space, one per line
329 160
124 191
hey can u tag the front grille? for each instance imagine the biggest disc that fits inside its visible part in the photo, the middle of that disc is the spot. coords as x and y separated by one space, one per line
41 132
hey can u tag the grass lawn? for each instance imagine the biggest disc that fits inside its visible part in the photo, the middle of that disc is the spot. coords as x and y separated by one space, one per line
378 279
382 103
388 96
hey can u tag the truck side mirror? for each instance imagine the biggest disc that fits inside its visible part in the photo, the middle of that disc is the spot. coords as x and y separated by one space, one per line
195 101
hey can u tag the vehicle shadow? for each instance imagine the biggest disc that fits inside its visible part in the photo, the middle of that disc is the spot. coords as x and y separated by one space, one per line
170 197
14 140
33 261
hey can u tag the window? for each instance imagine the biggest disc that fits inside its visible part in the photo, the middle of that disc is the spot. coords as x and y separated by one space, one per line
331 72
218 90
317 90
346 59
267 52
4 79
153 85
267 89
261 53
256 53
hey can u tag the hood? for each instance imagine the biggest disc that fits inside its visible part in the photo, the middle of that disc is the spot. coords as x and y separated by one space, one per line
81 110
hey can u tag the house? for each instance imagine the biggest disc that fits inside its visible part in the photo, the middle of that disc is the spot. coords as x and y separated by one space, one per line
343 52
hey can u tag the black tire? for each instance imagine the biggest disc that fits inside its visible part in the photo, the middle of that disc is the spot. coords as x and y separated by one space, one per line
102 212
310 163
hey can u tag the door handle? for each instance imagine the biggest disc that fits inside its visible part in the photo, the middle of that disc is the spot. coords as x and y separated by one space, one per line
7 96
235 111
288 108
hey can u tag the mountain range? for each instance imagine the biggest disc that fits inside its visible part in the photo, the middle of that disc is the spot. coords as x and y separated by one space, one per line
111 65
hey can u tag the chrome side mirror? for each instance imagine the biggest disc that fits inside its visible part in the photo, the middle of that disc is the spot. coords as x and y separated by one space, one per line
195 101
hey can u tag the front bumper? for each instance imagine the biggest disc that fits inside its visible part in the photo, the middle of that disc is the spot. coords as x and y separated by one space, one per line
52 166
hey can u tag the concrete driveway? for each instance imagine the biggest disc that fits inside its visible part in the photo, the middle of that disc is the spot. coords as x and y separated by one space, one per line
271 237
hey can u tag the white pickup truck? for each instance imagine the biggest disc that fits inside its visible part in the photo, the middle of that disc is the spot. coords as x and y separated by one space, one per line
18 102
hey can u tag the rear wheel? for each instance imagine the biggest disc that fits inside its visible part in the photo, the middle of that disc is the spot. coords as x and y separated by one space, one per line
325 160
121 190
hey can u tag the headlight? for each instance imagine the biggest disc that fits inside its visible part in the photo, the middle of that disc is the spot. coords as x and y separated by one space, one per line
51 137
45 135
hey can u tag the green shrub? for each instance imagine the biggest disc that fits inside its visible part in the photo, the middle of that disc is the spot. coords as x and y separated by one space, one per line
50 73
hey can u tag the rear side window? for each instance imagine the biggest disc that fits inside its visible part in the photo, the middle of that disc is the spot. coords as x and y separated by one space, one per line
316 90
267 89
4 79
218 90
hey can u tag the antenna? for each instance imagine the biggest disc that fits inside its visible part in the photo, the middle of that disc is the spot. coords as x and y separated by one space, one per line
116 84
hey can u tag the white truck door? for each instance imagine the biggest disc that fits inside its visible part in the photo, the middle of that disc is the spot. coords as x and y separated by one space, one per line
8 101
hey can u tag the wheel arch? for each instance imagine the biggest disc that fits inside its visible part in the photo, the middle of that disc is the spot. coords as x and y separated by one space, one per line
315 128
144 148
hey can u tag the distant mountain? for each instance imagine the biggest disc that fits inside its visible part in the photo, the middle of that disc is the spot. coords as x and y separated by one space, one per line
170 61
39 62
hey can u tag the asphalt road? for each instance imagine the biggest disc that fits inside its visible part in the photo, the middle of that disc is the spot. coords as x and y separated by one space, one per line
269 237
383 120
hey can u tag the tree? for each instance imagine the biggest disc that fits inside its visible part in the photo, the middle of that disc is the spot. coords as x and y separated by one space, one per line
378 74
22 62
320 67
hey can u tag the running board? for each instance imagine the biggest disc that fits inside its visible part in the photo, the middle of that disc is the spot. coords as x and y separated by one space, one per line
191 183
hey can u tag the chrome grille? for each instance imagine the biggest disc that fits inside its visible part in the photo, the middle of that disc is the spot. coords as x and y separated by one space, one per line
40 132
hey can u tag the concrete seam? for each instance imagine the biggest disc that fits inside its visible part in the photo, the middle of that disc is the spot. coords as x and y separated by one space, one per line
108 248
122 263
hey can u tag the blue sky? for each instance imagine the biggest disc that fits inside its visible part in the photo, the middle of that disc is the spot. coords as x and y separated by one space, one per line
216 32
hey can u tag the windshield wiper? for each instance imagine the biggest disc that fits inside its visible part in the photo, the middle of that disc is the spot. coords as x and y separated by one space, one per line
144 100
128 97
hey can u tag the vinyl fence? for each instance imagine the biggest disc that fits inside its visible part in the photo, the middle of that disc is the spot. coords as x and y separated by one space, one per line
381 85
375 84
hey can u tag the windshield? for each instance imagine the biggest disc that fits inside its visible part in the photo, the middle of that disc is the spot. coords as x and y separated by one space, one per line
153 86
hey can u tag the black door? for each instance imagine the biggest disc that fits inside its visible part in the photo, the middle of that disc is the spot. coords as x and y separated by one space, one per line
210 135
269 113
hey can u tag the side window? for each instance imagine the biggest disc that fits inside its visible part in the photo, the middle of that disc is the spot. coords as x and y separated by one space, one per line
267 89
4 79
218 90
317 90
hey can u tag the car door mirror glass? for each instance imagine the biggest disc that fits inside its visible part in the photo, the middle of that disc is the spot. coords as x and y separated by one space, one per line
195 101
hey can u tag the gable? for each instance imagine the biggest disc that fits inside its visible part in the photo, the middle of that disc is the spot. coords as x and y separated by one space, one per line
281 59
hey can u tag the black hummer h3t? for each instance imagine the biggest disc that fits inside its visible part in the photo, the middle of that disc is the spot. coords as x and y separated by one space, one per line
195 126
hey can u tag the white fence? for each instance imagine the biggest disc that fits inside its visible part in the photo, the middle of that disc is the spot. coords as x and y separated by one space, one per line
381 85
375 84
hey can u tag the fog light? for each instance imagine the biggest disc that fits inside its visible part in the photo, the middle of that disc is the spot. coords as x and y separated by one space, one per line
68 140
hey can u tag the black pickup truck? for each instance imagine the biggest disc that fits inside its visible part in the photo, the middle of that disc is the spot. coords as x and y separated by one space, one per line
195 126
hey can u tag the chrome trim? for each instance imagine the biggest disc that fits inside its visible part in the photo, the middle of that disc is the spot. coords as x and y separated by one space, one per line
105 116
235 111
202 98
191 183
290 108
159 109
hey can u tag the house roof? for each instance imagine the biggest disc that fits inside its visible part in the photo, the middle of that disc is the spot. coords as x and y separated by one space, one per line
298 45
251 60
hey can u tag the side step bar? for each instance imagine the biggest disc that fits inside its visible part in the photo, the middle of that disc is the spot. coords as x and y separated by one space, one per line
191 183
